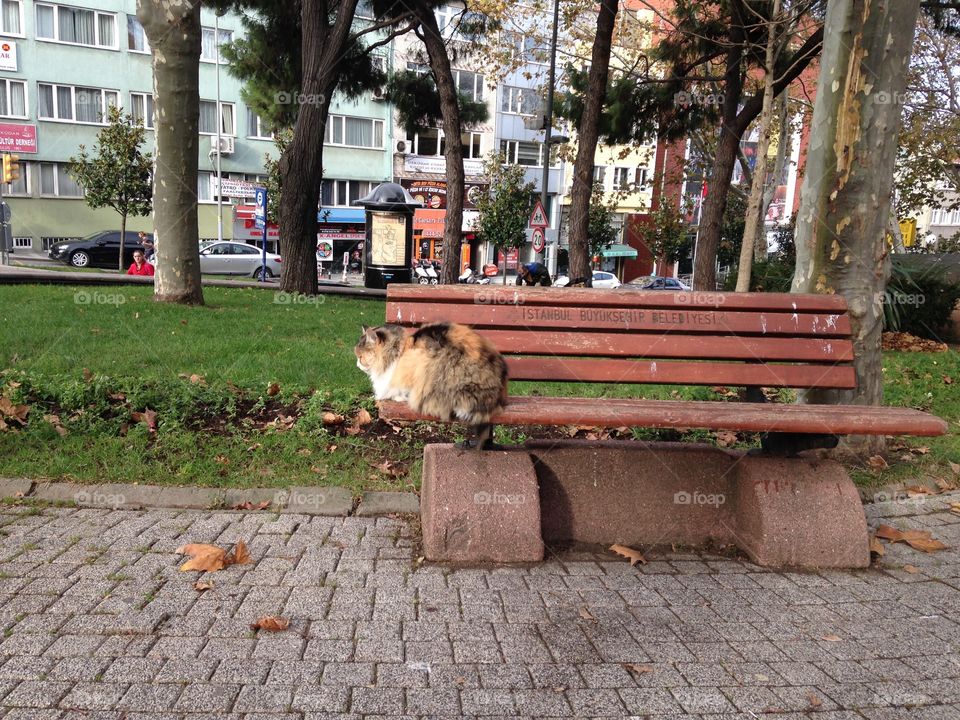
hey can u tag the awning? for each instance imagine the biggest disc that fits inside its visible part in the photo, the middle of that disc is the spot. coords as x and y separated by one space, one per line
341 215
618 250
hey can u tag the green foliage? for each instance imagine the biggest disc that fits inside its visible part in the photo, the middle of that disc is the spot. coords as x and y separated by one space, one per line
775 273
919 298
732 227
116 173
281 139
667 235
504 206
417 101
600 229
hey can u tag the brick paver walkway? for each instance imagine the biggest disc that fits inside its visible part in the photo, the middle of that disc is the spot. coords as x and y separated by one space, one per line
98 623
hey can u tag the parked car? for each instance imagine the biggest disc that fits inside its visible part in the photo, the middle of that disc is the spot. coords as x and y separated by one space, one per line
100 249
656 283
234 258
601 279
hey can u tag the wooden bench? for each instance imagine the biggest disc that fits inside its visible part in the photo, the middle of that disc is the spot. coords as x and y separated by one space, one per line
508 505
750 340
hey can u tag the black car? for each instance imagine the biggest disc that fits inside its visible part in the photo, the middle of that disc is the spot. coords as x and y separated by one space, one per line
101 249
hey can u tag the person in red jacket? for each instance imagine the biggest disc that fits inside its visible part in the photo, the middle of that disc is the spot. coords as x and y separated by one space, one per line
140 266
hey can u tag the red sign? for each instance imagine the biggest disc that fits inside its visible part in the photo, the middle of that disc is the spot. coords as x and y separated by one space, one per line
17 138
433 193
538 240
513 258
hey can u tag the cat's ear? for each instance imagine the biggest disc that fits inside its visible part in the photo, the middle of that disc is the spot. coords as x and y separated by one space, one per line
364 329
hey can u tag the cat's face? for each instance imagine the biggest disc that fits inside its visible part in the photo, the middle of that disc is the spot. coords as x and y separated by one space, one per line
377 347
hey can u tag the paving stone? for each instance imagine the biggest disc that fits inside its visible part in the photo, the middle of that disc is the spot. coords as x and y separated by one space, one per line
207 697
384 503
36 694
149 698
377 701
263 699
191 498
93 696
330 501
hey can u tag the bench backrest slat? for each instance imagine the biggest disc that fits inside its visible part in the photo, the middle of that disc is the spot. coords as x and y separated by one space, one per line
587 335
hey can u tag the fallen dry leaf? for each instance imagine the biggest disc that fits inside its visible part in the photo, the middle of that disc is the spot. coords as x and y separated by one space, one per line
814 701
271 623
922 450
305 452
633 555
912 569
57 425
917 539
221 460
240 554
832 638
635 669
87 375
149 417
330 418
331 448
202 585
273 389
392 468
586 614
363 417
955 467
877 462
353 430
203 557
248 505
725 438
876 546
945 485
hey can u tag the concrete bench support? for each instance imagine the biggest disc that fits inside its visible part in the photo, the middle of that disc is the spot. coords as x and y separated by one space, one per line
496 506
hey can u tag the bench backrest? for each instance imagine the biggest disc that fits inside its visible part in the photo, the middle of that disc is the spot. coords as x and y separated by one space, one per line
636 336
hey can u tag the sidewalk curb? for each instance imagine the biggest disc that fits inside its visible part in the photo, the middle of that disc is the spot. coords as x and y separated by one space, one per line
323 501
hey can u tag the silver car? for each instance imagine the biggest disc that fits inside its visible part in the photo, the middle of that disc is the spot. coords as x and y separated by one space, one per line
234 258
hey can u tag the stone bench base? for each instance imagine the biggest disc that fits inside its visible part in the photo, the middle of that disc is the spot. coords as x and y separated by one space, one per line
502 506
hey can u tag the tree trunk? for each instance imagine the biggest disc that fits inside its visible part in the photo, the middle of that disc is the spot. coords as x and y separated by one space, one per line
783 152
724 160
123 239
845 198
453 152
301 164
755 202
588 133
173 29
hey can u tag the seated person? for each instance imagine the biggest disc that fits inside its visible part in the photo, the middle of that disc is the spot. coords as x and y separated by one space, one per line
534 274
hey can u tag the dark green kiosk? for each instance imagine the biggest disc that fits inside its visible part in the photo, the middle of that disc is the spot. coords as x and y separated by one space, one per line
388 251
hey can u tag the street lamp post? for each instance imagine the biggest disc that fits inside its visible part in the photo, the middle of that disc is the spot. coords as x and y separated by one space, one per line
548 115
216 44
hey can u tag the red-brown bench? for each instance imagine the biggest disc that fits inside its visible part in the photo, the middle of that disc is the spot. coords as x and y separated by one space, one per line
810 516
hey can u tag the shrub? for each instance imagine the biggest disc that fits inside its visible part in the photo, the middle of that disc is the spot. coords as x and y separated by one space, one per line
919 299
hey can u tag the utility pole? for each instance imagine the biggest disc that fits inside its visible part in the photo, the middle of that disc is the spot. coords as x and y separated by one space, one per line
548 120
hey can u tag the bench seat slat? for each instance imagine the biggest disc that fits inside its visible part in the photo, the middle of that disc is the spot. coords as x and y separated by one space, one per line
589 297
657 345
617 370
623 319
705 415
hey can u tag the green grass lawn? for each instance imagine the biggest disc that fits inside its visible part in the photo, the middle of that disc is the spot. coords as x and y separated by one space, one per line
92 356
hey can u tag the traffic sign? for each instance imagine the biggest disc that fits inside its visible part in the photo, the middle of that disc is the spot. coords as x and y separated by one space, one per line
260 209
324 250
538 240
538 218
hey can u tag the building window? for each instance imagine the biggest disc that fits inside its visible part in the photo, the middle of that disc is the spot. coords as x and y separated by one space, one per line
354 132
520 100
432 142
599 174
447 17
470 142
469 84
256 127
364 10
343 192
76 26
69 103
205 187
640 178
525 48
520 152
141 108
621 178
21 186
208 118
11 17
13 98
136 37
210 44
55 181
25 243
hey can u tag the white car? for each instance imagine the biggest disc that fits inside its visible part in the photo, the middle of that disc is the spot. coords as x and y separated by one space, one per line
234 258
601 279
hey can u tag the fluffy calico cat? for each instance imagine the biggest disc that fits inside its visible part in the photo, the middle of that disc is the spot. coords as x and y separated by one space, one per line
442 370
